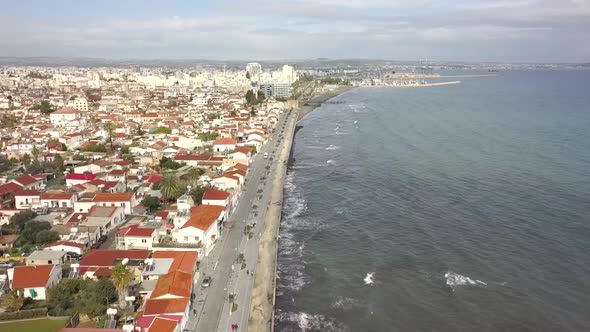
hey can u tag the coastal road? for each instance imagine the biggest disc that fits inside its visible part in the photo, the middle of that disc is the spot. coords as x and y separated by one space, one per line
220 264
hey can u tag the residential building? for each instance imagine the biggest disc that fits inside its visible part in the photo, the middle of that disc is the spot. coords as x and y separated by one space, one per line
46 257
35 279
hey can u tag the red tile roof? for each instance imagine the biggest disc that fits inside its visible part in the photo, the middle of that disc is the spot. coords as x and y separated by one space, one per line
136 231
9 187
162 214
243 149
112 197
225 141
26 180
163 325
153 178
165 306
109 257
175 283
57 195
31 276
183 260
88 329
203 216
117 172
215 194
66 243
83 176
26 192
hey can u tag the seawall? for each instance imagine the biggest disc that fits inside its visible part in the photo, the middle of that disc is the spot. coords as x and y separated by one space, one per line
262 306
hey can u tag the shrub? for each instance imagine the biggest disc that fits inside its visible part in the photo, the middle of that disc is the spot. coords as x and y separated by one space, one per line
24 314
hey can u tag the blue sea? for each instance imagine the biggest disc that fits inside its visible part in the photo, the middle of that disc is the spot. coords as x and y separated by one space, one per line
452 208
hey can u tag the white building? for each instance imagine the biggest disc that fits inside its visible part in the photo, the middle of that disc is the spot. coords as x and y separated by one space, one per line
35 280
255 70
66 117
79 103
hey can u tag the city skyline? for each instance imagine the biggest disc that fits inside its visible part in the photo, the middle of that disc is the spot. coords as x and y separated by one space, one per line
472 31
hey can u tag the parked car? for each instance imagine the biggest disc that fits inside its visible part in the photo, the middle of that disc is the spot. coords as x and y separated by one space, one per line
206 282
6 265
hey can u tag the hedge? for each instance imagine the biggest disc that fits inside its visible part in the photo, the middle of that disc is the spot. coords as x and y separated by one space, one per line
24 314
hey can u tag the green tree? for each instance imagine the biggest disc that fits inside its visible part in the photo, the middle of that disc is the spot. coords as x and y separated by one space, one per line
197 194
13 301
261 97
250 97
170 187
58 165
167 163
194 174
26 159
151 202
248 75
163 130
32 229
46 236
18 221
109 127
121 278
35 153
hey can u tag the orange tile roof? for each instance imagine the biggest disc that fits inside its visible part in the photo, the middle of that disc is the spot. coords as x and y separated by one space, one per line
162 325
112 197
176 283
31 276
109 257
183 260
57 195
225 141
215 194
165 306
203 216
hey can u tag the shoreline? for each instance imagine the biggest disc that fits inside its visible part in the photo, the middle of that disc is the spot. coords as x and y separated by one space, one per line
262 304
318 100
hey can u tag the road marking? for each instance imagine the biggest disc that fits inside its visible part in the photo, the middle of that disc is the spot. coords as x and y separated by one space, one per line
215 266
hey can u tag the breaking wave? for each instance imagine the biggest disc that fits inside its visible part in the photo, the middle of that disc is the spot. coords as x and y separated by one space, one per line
455 280
344 303
301 321
332 147
369 278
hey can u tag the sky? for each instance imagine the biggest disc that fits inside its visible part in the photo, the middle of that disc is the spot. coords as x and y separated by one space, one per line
452 30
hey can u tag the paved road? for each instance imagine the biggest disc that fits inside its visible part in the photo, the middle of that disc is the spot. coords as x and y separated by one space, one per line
221 263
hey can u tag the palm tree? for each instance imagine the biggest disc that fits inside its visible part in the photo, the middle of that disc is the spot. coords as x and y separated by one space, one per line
109 127
194 174
121 278
170 187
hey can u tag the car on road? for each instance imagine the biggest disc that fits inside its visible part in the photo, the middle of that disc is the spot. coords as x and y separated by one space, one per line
265 155
206 282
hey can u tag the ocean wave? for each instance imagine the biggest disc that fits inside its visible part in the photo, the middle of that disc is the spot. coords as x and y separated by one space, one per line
369 278
330 161
301 321
455 280
332 147
344 303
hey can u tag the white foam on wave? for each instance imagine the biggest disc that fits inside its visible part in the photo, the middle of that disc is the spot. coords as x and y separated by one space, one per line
308 322
332 147
344 303
369 278
330 161
455 280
